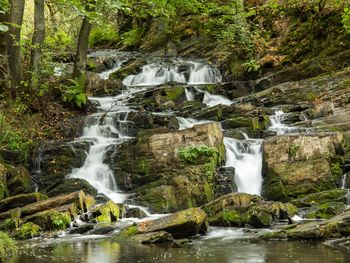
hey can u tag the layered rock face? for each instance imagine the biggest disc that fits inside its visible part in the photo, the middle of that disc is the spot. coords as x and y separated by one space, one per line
169 171
297 165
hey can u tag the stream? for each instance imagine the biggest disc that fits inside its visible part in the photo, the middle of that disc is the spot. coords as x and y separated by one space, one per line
110 126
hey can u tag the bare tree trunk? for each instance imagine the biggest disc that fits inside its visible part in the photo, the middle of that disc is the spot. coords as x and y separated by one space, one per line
13 43
38 37
82 49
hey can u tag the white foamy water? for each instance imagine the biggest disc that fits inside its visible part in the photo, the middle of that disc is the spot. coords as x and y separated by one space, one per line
189 95
180 71
213 100
186 123
104 129
204 74
105 74
277 125
246 157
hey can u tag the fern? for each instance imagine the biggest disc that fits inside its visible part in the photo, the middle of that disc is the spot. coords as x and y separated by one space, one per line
75 94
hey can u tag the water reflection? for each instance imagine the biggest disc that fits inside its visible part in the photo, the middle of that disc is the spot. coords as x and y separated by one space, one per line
216 247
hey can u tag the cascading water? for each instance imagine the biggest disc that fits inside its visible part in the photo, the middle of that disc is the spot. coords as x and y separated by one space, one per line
104 129
105 74
189 95
186 123
213 100
246 157
181 71
277 125
204 74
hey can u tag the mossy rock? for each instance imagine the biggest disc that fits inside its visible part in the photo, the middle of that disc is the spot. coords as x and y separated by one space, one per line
335 195
153 238
108 212
182 224
325 210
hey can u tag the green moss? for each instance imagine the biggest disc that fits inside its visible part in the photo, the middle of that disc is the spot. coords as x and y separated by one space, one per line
174 94
7 246
209 193
127 232
109 213
143 167
232 218
3 190
28 230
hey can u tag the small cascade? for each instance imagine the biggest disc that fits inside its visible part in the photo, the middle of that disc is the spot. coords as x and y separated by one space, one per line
104 129
175 70
186 123
343 182
204 74
189 95
213 100
246 157
277 125
105 74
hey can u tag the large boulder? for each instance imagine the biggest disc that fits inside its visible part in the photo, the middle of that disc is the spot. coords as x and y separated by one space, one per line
14 180
240 209
182 224
297 165
170 171
57 160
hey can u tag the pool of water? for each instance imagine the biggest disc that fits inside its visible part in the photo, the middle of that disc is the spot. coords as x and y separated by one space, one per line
221 245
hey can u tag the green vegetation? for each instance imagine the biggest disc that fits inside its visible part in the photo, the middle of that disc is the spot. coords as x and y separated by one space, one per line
28 230
7 246
292 151
192 154
60 221
75 94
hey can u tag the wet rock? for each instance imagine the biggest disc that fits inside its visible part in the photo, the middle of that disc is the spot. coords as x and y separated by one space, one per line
297 165
240 209
108 212
101 230
182 224
57 160
324 210
134 212
224 181
335 195
71 185
103 88
14 180
81 229
336 227
153 238
152 168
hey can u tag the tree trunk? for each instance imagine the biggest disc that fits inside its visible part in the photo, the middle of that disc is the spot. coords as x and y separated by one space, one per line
79 198
13 44
38 37
82 49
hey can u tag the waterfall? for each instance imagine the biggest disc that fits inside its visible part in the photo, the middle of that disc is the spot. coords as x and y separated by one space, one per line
213 100
105 74
343 182
189 95
277 125
246 157
180 71
186 123
104 129
204 74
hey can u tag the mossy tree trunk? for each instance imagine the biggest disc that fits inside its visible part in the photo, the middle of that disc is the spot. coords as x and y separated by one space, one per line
83 43
13 44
